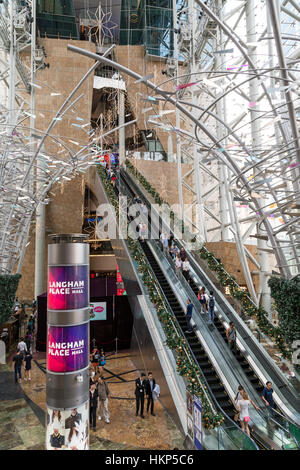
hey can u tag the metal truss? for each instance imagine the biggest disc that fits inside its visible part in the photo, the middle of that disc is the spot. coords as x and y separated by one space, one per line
27 170
235 72
242 57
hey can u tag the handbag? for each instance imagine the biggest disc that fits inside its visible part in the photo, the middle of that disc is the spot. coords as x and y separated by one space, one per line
236 416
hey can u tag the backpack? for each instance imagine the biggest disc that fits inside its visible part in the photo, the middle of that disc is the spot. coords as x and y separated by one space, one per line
211 303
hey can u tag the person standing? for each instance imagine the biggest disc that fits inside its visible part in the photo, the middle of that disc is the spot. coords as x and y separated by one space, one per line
102 362
231 336
236 399
211 308
17 365
22 346
243 407
140 388
27 361
267 395
94 402
202 297
186 270
28 340
103 394
95 358
178 266
182 254
189 312
149 392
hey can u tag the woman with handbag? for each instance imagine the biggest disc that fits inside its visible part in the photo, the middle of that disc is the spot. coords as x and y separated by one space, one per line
243 407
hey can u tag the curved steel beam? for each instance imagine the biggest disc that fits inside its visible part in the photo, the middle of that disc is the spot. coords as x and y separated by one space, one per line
278 252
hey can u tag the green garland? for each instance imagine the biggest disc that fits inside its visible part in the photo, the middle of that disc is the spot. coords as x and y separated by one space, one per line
186 365
286 293
8 288
226 280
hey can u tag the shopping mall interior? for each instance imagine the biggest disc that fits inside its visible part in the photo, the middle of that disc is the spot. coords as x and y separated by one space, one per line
149 225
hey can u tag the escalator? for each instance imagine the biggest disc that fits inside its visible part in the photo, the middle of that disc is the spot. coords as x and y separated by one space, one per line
200 355
211 377
244 364
255 361
213 381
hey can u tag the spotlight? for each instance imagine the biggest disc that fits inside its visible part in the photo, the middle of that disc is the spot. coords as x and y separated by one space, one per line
164 72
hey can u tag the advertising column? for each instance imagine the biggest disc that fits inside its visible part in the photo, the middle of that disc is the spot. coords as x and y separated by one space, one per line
67 391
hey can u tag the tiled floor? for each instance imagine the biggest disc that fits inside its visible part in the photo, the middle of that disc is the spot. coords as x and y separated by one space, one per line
22 409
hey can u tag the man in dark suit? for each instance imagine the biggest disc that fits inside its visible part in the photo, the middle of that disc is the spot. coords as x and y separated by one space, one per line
140 388
149 389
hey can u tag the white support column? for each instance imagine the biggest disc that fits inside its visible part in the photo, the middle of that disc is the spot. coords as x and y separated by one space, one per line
178 140
12 64
263 258
200 220
39 260
122 154
224 216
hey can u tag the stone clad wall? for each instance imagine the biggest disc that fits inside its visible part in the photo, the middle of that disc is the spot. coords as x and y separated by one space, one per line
64 213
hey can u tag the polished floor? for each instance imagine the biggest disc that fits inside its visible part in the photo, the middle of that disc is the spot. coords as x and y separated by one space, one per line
22 412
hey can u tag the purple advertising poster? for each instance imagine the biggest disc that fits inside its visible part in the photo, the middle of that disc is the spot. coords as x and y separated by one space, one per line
68 287
67 348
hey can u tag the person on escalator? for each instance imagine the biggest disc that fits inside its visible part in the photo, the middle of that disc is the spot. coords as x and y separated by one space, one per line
182 254
189 312
211 308
267 395
231 336
243 408
178 266
203 298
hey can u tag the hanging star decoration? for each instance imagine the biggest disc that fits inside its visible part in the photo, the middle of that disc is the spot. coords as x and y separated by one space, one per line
100 25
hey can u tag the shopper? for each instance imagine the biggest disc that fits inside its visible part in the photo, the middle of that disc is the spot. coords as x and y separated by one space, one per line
243 407
178 266
22 346
203 298
103 394
17 365
140 388
211 307
102 362
94 402
28 340
149 392
186 270
267 395
27 362
165 242
182 254
95 356
236 399
189 312
231 336
30 325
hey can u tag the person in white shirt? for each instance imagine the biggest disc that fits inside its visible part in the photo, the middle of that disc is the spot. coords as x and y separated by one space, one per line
186 270
243 408
22 346
178 266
